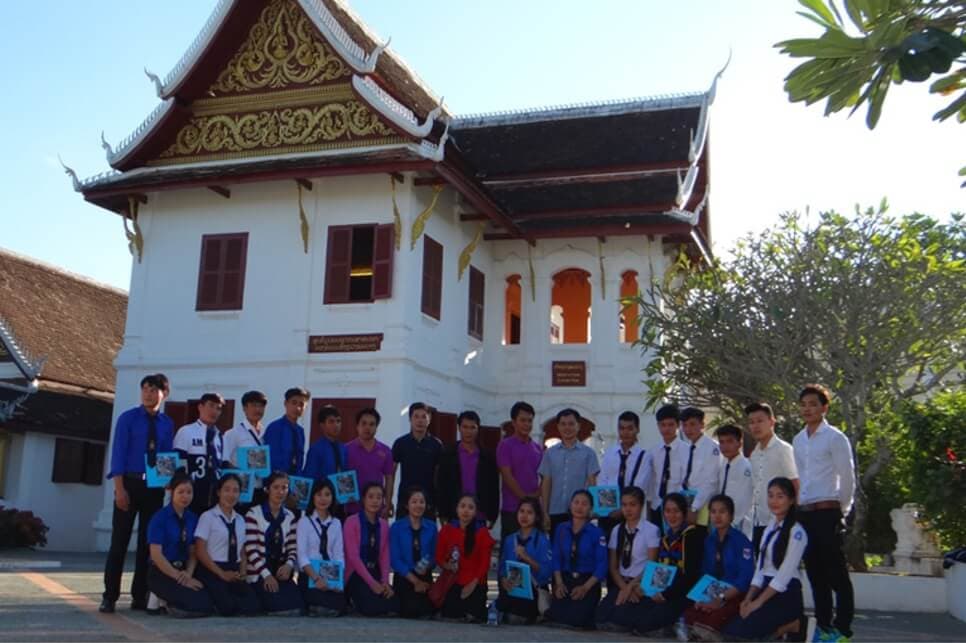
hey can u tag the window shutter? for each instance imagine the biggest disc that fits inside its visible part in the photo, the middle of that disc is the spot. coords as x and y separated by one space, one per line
475 318
221 277
93 463
338 265
382 255
432 277
233 274
178 412
208 273
227 419
443 426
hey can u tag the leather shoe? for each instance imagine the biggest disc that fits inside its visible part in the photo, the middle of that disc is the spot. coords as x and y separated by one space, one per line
139 605
106 607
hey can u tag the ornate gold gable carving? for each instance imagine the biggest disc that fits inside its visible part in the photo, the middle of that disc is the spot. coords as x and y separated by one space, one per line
283 49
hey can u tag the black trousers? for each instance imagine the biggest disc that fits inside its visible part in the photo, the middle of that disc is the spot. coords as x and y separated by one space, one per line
368 603
650 616
527 608
474 605
827 570
324 598
288 598
229 599
575 613
756 534
202 501
412 604
508 524
195 601
144 503
656 516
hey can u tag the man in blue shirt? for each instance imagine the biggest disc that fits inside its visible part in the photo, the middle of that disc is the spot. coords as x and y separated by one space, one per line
286 437
328 455
139 435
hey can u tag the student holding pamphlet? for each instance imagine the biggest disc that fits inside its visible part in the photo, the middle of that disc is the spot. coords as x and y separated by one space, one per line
270 548
318 537
464 548
531 547
367 557
412 549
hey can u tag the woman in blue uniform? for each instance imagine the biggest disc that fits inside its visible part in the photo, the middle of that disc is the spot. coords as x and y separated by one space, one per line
366 537
683 547
318 536
579 566
774 600
219 547
531 546
270 549
727 557
171 534
412 546
632 544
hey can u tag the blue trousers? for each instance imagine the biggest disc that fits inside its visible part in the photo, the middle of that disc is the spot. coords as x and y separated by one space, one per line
286 599
779 610
575 613
623 616
229 599
367 602
178 596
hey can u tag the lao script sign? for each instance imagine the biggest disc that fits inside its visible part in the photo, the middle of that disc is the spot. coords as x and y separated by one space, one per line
345 343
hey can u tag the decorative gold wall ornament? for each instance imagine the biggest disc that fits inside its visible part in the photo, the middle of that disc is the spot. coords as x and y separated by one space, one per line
396 217
277 128
419 224
603 275
135 240
533 275
283 48
467 253
304 220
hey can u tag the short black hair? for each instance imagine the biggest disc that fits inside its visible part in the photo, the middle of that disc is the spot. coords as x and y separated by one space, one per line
415 406
254 397
669 412
369 411
692 412
817 390
472 416
157 380
630 416
317 486
212 397
179 478
568 411
725 500
297 391
521 406
729 429
764 407
327 412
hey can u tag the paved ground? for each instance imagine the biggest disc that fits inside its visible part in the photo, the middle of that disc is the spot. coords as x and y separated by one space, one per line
60 604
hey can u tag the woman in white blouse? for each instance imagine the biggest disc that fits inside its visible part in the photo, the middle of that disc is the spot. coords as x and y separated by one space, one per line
319 538
774 600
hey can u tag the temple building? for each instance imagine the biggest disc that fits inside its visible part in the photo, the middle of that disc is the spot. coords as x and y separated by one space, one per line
302 210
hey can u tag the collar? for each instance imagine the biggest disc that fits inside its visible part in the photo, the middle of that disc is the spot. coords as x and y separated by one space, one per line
821 427
463 448
517 438
771 442
737 458
250 427
234 514
328 520
619 450
564 446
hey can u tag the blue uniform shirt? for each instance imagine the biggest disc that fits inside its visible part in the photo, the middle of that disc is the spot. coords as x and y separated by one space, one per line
401 544
737 558
320 461
591 550
131 440
287 442
538 548
165 530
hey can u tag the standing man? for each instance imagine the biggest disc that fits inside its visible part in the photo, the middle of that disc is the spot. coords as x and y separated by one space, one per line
566 467
625 464
701 469
249 431
772 458
140 433
417 454
667 470
518 458
464 468
328 455
286 437
824 459
734 480
202 447
371 459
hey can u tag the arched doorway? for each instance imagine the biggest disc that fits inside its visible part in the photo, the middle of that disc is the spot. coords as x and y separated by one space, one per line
570 307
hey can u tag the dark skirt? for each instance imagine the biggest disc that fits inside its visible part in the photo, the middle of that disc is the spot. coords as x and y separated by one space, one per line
288 598
575 613
229 599
526 608
368 603
473 606
780 609
412 604
717 619
195 602
329 602
617 617
651 615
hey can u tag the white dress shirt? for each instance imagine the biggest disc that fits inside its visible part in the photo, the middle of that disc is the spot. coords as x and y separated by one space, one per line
777 460
824 463
705 467
646 536
307 538
213 531
191 439
738 486
788 570
678 458
241 435
637 472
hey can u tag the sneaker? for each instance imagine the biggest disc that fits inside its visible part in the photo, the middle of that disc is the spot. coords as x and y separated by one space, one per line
106 607
842 638
825 636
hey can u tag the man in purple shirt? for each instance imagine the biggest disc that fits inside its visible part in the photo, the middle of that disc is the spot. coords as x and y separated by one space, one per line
466 469
518 458
371 459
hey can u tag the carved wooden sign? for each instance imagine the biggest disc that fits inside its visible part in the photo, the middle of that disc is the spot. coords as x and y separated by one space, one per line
345 343
568 373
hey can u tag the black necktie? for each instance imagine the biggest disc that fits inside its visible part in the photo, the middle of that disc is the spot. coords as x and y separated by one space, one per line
293 467
724 485
687 475
628 547
666 473
337 455
372 548
232 540
764 548
182 537
623 470
575 550
152 440
211 451
417 546
323 532
719 557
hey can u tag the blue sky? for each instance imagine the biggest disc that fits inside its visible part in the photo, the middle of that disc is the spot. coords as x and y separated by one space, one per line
75 68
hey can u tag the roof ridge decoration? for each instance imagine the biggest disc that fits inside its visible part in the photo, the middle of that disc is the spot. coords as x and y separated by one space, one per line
120 152
340 39
400 115
29 365
696 146
198 45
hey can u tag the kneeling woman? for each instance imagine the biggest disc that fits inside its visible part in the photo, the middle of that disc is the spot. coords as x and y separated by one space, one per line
579 566
775 597
632 544
531 547
727 557
219 547
271 550
171 534
412 549
464 548
319 537
683 547
367 557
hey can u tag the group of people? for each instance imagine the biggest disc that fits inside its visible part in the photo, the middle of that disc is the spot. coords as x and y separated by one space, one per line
694 503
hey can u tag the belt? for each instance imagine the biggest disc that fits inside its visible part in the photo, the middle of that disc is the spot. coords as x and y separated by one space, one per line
821 504
134 476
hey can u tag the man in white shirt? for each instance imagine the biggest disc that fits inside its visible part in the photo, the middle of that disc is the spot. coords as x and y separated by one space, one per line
702 466
734 478
624 465
772 458
824 458
201 445
666 461
248 433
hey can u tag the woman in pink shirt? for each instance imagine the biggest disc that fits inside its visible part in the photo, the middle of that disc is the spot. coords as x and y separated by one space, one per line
366 537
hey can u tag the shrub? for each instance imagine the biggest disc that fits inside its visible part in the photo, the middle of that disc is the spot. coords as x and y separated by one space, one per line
21 529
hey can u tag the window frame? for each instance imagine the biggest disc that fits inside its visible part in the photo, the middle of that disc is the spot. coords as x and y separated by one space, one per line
219 300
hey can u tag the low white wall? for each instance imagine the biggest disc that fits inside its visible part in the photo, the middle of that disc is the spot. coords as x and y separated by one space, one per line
956 590
892 593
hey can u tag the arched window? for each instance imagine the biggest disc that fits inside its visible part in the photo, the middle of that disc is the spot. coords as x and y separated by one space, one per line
513 310
629 313
570 307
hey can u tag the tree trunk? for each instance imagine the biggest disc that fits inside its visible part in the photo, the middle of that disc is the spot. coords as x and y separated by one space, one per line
855 541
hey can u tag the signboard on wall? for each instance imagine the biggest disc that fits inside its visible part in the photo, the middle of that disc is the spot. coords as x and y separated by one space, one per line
568 373
345 343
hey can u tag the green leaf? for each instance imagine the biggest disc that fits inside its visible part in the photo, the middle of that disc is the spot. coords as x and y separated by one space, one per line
819 8
957 105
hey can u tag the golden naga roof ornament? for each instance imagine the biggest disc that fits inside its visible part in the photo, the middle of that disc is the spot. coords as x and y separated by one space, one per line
419 223
467 254
158 86
69 171
107 147
135 239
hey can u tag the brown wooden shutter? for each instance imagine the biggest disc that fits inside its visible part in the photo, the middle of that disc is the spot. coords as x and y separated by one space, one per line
348 407
178 412
209 273
432 277
227 419
489 438
338 265
233 273
382 255
443 426
221 277
475 317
